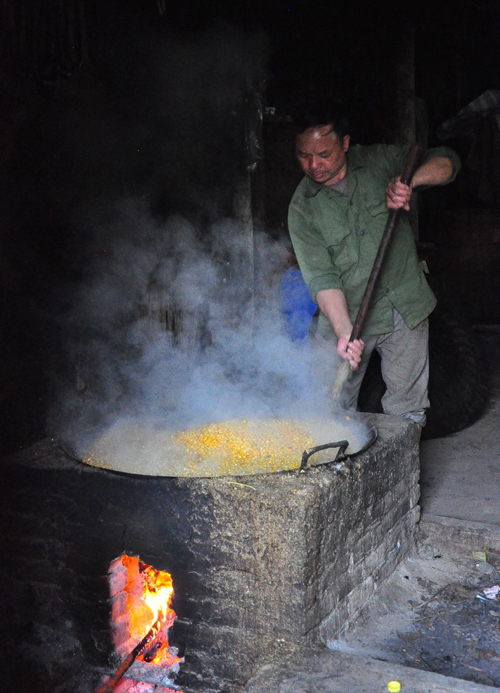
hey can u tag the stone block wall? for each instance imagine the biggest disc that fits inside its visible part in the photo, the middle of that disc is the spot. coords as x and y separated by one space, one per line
258 563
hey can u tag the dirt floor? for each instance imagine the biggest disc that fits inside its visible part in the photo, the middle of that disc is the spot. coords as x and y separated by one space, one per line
432 614
461 472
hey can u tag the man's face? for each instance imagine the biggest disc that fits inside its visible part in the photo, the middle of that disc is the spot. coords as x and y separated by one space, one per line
321 154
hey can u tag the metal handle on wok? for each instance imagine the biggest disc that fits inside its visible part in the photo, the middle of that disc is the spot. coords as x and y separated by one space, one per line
342 446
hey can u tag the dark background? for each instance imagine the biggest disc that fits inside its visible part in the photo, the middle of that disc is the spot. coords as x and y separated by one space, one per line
143 99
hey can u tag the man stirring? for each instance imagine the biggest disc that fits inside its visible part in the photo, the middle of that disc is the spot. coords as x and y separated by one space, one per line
336 220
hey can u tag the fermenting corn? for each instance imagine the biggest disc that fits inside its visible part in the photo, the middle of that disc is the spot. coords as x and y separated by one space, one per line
238 446
230 448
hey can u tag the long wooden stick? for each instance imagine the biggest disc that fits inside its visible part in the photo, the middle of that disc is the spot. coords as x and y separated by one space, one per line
344 368
411 162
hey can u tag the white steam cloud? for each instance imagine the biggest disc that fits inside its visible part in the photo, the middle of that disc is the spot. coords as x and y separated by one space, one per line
165 331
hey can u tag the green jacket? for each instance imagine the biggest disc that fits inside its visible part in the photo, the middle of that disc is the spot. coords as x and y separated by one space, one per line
336 238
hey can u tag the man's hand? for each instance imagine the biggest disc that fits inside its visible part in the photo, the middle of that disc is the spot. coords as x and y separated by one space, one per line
333 304
436 171
397 194
350 351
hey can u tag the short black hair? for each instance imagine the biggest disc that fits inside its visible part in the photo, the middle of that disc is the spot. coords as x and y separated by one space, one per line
312 114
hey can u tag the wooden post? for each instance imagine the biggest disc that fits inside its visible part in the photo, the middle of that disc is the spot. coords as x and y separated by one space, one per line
403 126
244 220
403 123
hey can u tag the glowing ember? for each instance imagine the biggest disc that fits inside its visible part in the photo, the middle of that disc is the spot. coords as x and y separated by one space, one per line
141 602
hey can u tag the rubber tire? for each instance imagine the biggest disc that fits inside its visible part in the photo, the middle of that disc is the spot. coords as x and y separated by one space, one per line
458 381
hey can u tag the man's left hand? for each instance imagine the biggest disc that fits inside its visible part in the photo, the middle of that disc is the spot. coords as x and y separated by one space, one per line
397 194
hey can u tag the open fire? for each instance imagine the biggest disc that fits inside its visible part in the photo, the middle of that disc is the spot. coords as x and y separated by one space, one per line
141 616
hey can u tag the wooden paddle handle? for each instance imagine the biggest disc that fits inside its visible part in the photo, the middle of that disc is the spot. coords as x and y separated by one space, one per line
410 165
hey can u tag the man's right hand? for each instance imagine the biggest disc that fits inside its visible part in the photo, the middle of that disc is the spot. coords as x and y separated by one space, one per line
350 351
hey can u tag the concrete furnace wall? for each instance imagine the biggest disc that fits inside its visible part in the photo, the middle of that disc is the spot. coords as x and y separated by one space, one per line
258 563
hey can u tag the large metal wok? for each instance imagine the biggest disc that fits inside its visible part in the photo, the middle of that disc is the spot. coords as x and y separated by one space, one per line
230 448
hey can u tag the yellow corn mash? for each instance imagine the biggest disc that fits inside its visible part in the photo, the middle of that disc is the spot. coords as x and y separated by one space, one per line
240 445
231 448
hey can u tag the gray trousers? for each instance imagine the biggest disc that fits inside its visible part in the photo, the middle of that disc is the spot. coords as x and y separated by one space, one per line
405 370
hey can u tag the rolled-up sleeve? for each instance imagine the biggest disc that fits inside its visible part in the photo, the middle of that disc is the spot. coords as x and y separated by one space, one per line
314 260
445 152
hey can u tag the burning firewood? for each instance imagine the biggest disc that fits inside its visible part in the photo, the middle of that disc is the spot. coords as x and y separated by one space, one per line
150 637
148 595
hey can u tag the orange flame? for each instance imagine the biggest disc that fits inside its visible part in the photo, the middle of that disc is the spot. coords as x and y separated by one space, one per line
149 595
158 592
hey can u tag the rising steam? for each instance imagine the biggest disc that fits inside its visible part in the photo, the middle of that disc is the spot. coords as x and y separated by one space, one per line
164 331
